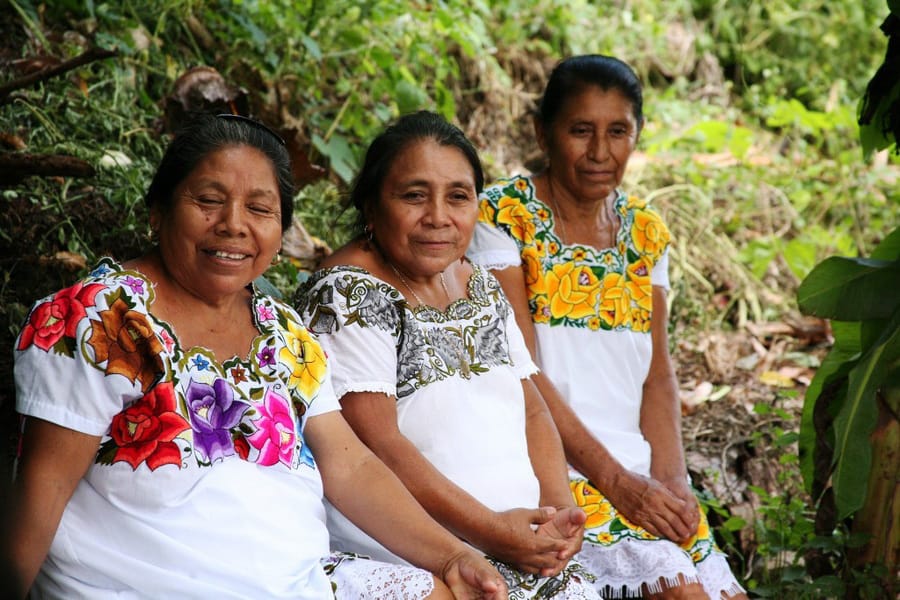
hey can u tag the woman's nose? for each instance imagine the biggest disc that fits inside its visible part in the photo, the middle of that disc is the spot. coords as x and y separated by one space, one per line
437 212
598 149
231 218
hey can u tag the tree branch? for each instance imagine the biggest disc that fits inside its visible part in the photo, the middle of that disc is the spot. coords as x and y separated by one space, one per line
88 56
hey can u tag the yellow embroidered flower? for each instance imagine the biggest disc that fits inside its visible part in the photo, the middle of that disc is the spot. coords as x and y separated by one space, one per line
573 291
513 213
594 323
578 254
543 214
595 506
541 311
521 185
305 358
696 557
486 212
702 534
640 319
604 538
534 272
647 535
638 284
553 247
539 247
608 258
621 248
649 234
635 202
615 305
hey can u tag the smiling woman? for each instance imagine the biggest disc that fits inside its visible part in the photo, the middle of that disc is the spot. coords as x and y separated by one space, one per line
180 427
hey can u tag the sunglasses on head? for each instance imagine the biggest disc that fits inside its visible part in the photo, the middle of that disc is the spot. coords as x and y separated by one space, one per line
254 122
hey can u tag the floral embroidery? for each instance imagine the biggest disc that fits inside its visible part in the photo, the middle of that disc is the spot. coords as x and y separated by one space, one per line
580 286
144 432
266 357
124 340
465 340
304 358
275 435
213 413
57 318
199 408
606 526
134 284
265 313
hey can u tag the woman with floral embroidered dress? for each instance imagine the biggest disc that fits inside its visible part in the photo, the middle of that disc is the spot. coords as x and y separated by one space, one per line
585 268
180 427
431 370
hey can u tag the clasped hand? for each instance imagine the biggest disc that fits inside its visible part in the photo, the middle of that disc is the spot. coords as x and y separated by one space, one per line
540 540
667 509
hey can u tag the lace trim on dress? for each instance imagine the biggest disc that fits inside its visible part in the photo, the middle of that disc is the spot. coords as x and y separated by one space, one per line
373 387
355 577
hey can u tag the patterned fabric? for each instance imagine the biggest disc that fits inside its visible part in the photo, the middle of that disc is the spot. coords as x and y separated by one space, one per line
456 375
575 285
188 443
592 311
465 340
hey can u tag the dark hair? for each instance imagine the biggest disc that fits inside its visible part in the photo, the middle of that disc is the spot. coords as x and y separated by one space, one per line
204 134
573 74
384 149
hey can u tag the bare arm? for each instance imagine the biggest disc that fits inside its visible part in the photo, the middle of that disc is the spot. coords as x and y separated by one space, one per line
644 501
507 536
390 514
53 461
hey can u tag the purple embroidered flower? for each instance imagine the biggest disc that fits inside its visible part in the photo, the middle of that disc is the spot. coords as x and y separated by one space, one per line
266 356
136 285
275 436
213 414
265 313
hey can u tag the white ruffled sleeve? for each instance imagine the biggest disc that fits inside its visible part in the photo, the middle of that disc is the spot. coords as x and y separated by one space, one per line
355 324
660 273
492 248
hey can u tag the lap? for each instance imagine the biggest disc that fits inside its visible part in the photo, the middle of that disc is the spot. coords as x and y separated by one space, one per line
356 577
625 557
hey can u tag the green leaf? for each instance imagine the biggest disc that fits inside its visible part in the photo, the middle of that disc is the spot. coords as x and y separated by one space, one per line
409 96
857 419
835 366
339 154
851 289
889 248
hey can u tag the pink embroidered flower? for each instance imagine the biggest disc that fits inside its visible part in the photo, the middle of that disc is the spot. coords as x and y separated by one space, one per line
265 313
275 436
58 317
167 340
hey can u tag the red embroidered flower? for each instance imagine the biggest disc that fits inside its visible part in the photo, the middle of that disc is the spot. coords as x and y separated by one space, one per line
144 431
58 317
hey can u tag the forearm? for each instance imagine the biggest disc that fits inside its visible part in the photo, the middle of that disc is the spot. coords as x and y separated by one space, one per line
661 426
545 450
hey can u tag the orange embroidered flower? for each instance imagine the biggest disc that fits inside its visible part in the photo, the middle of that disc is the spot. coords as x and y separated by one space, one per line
573 291
578 254
513 213
595 506
615 309
486 212
124 339
649 234
594 323
521 185
534 272
604 538
543 214
553 247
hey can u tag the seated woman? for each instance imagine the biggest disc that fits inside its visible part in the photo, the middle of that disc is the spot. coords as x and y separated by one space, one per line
180 427
432 371
585 268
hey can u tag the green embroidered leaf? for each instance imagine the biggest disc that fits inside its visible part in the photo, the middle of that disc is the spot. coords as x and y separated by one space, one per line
107 453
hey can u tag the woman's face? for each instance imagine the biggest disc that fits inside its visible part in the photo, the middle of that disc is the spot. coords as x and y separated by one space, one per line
224 224
427 208
589 142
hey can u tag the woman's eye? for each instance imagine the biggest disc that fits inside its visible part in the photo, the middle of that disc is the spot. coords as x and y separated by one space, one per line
261 209
618 132
580 131
414 195
209 200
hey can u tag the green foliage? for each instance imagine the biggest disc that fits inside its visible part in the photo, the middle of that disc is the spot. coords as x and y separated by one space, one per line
862 294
